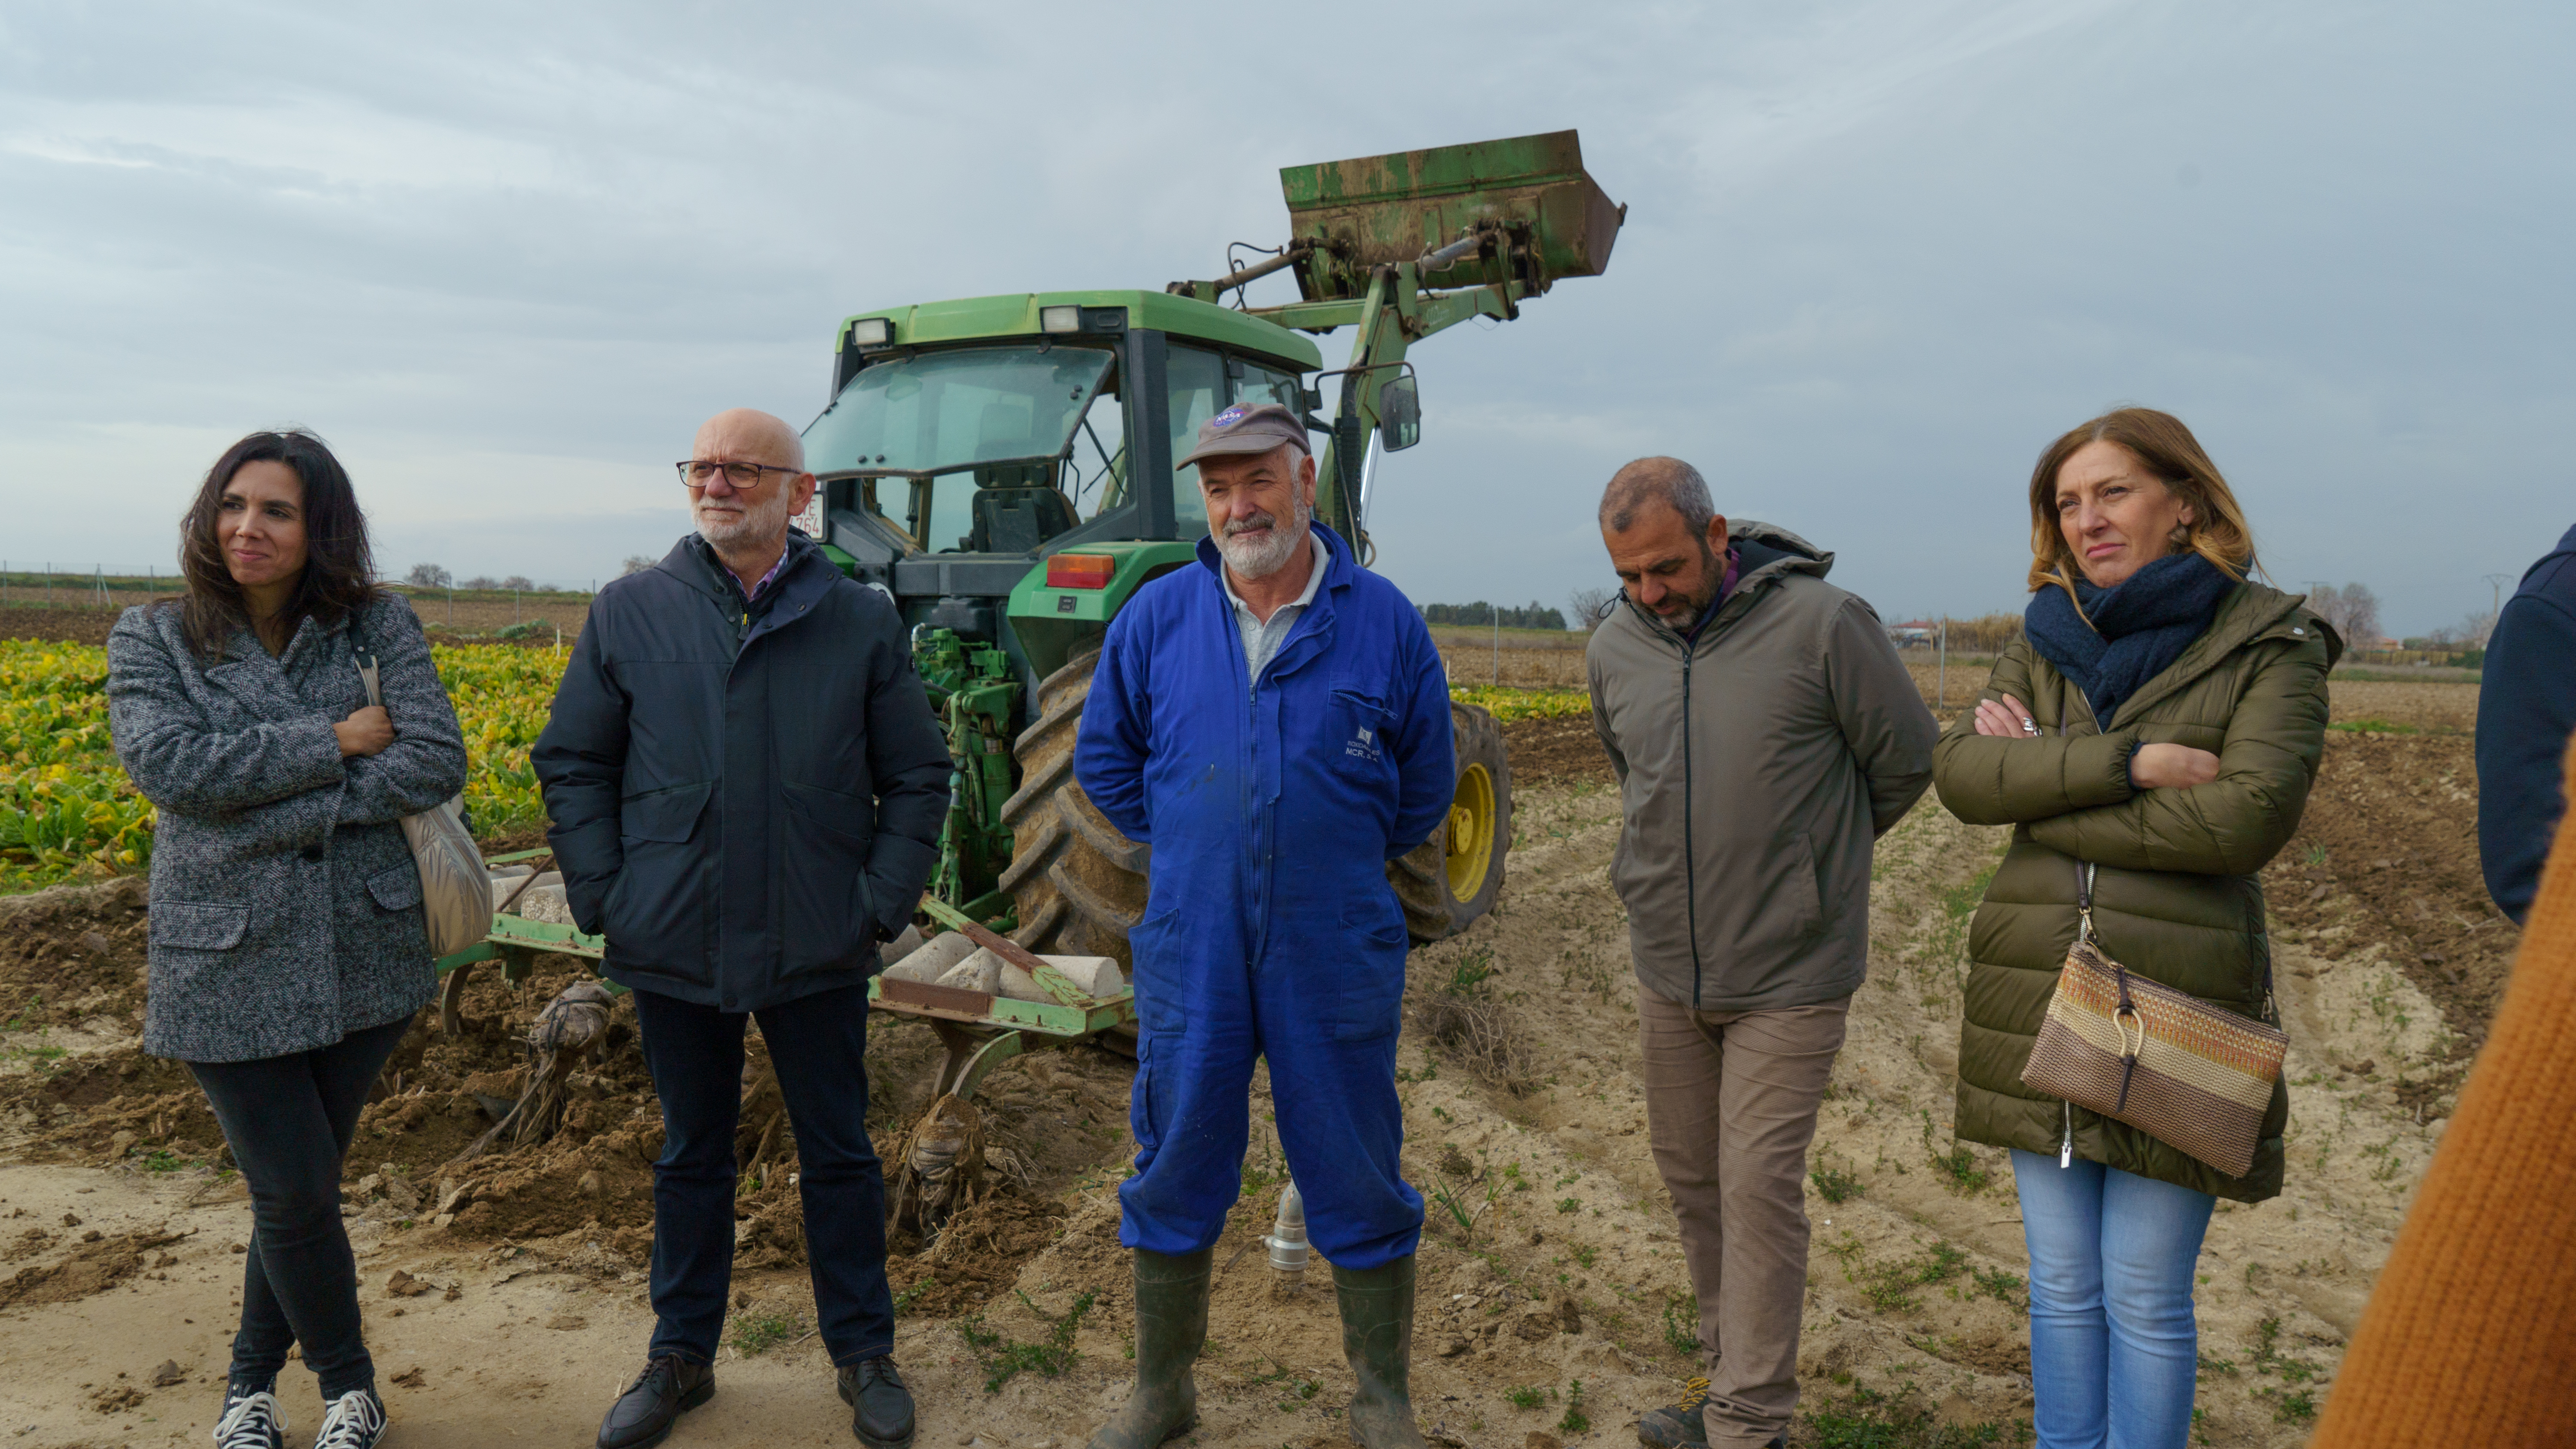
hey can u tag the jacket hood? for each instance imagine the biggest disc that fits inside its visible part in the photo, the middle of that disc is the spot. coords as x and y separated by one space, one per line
1766 550
2551 575
1765 556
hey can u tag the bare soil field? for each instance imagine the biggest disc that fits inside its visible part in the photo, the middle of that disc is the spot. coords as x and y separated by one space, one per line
465 619
1552 1307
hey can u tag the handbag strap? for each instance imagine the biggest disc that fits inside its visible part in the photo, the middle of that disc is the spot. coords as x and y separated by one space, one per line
366 671
2084 902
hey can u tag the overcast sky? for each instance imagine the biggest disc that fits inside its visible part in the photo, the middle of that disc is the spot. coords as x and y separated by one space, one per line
505 257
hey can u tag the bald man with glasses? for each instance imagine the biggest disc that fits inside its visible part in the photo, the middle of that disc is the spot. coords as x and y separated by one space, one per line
747 787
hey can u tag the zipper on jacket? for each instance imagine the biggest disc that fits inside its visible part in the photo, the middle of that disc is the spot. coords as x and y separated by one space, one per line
1690 856
2066 1134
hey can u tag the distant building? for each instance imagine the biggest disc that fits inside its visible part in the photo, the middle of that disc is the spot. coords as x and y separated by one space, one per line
1914 631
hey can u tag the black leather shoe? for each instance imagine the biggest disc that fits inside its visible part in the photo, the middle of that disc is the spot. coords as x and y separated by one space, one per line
669 1387
881 1407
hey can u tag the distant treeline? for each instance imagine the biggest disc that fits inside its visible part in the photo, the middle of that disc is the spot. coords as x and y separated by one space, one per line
1534 616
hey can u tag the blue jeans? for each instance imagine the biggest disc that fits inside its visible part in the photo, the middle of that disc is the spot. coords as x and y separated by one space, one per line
2113 1346
819 1045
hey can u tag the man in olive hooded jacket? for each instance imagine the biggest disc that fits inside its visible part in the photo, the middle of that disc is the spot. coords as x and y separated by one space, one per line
1765 734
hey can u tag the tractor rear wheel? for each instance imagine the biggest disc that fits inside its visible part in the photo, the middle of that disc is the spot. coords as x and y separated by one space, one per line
1448 881
1078 884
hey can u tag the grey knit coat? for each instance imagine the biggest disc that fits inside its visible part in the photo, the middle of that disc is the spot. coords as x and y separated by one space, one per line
285 905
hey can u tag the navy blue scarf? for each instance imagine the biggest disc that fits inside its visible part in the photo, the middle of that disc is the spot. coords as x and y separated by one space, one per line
2140 626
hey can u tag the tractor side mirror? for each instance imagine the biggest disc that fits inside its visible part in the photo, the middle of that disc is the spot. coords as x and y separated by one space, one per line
1399 415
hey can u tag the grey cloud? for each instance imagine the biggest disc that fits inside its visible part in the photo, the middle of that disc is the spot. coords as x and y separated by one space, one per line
1879 253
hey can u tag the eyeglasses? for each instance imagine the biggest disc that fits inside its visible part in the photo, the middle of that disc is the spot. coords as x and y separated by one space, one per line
699 472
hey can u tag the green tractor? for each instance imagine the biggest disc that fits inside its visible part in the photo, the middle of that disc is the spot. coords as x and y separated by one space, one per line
1001 467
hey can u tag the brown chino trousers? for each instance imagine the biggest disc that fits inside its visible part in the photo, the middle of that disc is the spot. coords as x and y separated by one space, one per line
1731 1101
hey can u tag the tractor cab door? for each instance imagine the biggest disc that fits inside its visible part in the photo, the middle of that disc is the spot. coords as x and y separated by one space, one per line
1200 384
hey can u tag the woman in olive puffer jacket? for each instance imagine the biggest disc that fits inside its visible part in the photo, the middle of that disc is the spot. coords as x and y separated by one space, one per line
2160 720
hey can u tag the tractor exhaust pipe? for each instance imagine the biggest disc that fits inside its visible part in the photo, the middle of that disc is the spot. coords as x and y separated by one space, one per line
1287 1244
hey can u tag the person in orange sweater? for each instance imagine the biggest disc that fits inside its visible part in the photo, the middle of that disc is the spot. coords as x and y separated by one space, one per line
2470 1337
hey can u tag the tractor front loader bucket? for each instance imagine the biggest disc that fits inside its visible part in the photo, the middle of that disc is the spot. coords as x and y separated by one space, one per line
1521 209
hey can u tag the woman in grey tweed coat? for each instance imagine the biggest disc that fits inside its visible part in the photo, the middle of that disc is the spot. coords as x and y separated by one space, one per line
288 953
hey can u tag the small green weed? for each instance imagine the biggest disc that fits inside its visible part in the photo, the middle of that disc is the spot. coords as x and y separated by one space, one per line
45 1059
1585 1254
1961 901
1960 1172
2005 1288
2298 1408
1889 1287
1569 1205
2211 1363
1528 1396
2375 727
18 1022
1871 1420
1681 1325
1575 1421
1003 1361
1459 1205
162 1159
904 1300
1835 1185
758 1333
1471 972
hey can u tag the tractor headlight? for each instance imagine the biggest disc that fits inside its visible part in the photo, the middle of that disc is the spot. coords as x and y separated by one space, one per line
1059 319
872 332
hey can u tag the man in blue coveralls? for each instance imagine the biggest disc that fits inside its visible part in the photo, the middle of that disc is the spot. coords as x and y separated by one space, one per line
1275 723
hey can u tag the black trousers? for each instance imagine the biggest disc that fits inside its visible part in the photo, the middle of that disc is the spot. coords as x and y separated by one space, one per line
819 1045
289 1120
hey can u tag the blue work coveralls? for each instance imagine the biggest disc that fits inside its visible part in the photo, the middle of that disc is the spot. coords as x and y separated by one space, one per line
1273 806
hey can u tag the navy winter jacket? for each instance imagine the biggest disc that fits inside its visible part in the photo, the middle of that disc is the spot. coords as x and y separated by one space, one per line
746 798
1272 807
2526 708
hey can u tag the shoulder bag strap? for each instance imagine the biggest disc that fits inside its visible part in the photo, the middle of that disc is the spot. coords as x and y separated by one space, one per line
367 662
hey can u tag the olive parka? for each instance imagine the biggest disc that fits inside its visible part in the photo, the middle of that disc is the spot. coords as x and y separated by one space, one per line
2175 896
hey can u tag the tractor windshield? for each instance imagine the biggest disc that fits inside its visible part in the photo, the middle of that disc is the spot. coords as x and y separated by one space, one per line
939 412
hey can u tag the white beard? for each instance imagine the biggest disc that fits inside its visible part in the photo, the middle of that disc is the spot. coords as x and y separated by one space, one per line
1259 559
736 532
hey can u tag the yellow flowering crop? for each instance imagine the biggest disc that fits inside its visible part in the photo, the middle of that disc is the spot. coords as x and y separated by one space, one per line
67 811
1510 703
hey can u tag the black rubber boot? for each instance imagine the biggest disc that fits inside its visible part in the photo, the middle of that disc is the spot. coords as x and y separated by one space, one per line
1377 1337
1171 1328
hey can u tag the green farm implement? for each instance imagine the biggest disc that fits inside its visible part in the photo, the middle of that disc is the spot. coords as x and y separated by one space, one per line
1002 468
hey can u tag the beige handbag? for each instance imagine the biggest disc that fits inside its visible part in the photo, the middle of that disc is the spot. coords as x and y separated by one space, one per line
2195 1077
455 889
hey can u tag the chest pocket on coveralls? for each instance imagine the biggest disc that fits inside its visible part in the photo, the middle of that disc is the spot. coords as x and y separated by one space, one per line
1358 722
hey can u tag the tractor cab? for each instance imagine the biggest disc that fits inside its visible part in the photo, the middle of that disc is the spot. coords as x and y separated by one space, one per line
967 441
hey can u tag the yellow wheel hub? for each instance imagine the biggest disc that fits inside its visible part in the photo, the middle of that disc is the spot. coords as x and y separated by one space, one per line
1471 833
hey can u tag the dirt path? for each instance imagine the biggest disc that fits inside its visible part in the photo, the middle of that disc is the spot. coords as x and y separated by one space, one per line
1550 1258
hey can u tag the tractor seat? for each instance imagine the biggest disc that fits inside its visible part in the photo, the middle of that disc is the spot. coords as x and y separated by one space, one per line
1017 520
